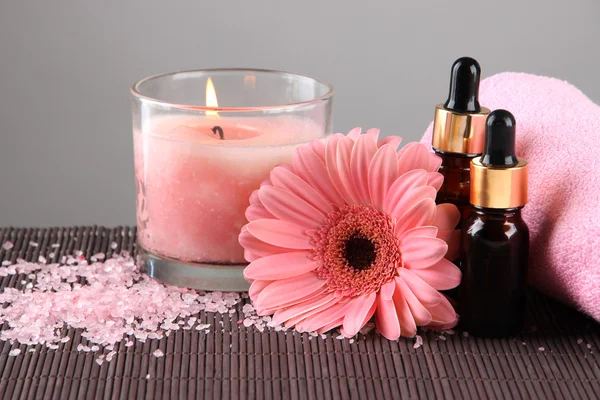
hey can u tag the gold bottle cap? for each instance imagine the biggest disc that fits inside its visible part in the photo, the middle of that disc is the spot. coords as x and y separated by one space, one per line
498 187
456 132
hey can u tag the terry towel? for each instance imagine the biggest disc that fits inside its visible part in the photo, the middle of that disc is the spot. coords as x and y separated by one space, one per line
558 133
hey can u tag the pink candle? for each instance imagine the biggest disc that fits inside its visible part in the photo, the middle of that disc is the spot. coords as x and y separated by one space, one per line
193 187
197 163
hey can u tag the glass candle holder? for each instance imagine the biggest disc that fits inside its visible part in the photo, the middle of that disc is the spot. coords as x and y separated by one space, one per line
204 140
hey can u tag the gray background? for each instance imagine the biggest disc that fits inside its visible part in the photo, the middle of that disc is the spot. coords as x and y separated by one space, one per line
66 68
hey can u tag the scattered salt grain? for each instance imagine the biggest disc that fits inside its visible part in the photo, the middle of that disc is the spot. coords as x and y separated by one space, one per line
7 245
53 347
14 352
129 343
99 361
78 253
248 322
201 327
110 356
351 341
6 262
524 344
52 255
541 349
99 256
579 341
95 348
79 347
55 245
339 337
158 353
65 339
442 337
113 245
33 244
418 342
42 259
147 376
589 346
32 350
449 331
466 334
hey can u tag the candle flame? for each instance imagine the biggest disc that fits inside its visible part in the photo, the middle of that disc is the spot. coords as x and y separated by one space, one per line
211 97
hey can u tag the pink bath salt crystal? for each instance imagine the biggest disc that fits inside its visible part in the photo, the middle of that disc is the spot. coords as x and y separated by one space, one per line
33 244
589 346
147 376
418 342
351 341
201 327
78 253
32 350
158 353
53 346
541 349
14 352
95 348
11 270
79 347
442 337
7 245
99 256
42 259
340 337
6 262
99 361
55 245
248 322
129 343
113 245
466 334
579 341
110 356
65 339
240 321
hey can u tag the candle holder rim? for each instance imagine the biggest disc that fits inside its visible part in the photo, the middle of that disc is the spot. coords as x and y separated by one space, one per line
136 92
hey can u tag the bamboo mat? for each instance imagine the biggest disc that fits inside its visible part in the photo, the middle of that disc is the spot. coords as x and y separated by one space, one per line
237 362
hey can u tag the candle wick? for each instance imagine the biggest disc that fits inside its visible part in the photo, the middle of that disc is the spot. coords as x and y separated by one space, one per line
218 130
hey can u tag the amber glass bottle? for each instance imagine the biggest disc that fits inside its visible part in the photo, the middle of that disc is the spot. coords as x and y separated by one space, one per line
495 239
458 133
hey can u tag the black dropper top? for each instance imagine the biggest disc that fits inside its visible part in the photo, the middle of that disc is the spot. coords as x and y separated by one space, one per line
464 86
499 148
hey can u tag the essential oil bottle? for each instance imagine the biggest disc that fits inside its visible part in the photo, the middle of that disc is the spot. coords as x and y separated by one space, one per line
495 239
458 133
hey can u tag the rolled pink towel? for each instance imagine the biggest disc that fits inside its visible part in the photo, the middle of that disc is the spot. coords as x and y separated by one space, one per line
558 133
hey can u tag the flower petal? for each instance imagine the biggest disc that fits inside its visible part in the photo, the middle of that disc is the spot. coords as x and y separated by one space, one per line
280 266
410 198
271 310
446 217
386 319
452 238
387 290
330 326
280 233
421 251
363 152
256 287
428 231
332 148
435 162
408 328
344 153
383 171
289 207
257 247
326 316
354 133
359 309
372 134
404 183
282 315
287 180
288 290
257 211
392 140
443 315
435 180
312 169
427 295
420 314
443 275
420 214
254 198
413 156
318 147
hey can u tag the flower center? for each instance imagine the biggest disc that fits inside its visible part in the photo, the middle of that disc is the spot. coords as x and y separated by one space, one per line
360 252
357 250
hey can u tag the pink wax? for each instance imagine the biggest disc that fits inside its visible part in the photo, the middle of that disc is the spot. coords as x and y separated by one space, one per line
193 188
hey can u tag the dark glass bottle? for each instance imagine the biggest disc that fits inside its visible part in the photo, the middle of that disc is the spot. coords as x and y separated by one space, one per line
457 182
458 133
495 239
494 254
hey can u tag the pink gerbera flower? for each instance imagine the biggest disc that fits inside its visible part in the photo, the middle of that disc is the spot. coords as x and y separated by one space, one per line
351 230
